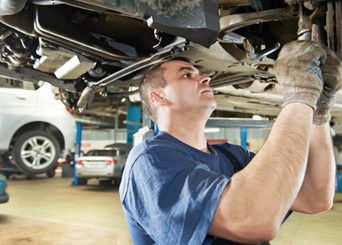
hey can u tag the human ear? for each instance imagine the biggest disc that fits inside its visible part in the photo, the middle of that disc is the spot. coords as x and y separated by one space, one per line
157 98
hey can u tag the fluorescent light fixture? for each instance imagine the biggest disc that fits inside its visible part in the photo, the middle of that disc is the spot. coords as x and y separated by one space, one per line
256 117
211 130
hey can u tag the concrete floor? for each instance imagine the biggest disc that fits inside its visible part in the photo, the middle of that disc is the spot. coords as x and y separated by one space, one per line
47 211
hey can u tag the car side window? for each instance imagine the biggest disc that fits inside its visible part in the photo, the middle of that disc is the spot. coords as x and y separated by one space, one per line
4 83
116 153
11 83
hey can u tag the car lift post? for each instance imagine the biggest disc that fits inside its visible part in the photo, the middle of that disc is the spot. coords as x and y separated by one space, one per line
155 128
133 122
243 136
77 149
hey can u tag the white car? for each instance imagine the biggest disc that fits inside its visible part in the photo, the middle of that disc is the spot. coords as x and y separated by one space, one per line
107 163
35 128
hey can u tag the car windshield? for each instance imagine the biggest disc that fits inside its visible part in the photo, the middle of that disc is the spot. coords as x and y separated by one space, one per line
103 153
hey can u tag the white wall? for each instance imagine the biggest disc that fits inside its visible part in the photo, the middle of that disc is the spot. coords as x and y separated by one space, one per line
98 138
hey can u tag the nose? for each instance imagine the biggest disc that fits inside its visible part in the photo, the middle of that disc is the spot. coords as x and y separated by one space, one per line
204 79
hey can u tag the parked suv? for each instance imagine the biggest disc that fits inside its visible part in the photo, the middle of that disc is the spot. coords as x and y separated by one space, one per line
35 128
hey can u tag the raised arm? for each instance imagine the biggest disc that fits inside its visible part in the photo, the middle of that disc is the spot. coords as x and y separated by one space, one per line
257 198
318 189
255 201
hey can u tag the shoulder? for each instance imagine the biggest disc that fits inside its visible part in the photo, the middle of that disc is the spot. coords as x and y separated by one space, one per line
244 156
155 157
156 150
153 163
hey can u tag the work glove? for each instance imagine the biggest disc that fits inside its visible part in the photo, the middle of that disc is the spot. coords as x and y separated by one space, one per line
298 72
332 77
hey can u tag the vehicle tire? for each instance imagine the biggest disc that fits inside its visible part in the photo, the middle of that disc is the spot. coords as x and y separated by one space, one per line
36 152
118 179
7 175
82 181
51 173
30 177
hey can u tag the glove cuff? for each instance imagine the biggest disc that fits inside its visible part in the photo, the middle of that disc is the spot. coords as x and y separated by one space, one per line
321 117
300 95
324 104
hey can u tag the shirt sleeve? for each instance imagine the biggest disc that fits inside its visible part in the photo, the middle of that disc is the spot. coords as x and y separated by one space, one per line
172 196
242 155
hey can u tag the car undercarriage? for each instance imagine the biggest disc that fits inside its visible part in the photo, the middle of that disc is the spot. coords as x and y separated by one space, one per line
94 52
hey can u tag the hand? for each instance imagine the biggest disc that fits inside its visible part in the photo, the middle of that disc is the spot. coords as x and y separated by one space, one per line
298 72
332 77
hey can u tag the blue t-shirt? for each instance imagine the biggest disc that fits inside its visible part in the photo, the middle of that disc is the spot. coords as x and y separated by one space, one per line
170 190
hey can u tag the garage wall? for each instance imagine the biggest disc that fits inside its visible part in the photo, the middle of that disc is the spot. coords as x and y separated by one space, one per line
98 138
255 136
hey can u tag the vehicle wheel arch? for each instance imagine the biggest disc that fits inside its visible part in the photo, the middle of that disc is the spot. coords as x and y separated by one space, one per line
44 126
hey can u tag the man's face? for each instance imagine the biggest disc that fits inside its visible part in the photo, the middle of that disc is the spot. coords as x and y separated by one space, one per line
186 88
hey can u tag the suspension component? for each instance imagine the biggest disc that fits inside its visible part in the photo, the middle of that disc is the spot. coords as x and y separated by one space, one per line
334 25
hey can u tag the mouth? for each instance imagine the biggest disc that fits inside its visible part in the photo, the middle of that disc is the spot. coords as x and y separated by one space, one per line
207 91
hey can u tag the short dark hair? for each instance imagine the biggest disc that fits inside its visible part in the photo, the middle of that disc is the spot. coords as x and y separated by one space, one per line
154 78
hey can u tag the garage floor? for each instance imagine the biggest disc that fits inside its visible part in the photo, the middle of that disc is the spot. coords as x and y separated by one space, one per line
47 211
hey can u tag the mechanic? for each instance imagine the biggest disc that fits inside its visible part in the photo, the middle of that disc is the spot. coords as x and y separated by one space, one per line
178 189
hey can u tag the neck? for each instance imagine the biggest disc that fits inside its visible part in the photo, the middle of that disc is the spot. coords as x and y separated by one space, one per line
187 130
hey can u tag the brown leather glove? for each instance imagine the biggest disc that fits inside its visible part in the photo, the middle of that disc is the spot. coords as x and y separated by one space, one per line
298 72
332 77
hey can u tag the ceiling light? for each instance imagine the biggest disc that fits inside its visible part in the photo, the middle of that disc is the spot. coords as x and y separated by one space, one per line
211 130
256 117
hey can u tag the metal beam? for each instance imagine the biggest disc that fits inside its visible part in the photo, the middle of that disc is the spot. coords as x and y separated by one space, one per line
93 121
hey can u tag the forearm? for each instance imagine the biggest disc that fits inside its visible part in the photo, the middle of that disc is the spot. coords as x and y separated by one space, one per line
265 190
281 162
318 188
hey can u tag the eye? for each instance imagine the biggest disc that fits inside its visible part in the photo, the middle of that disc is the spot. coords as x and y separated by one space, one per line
187 75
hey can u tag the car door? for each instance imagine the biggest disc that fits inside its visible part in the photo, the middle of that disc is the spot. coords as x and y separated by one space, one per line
17 101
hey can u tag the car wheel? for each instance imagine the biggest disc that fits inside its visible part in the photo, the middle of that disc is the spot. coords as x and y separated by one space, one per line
82 181
51 173
30 177
117 180
36 152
